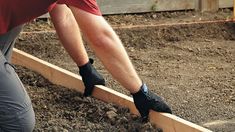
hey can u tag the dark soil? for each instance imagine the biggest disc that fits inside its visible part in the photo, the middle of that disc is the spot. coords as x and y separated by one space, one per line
167 17
59 109
191 66
145 19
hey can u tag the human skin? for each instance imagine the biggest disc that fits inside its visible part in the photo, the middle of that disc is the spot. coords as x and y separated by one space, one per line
69 33
101 38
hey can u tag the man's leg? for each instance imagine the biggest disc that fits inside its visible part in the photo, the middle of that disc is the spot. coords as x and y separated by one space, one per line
108 48
70 36
7 42
16 112
69 33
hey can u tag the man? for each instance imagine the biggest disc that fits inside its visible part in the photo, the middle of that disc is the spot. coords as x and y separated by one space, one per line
16 112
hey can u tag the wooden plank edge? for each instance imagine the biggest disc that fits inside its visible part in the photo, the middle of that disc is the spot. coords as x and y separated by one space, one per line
59 76
233 10
177 124
225 3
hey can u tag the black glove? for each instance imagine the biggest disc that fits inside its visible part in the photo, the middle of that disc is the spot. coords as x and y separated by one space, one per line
90 77
145 100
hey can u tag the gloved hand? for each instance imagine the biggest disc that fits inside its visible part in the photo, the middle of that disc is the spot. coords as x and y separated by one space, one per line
145 100
90 77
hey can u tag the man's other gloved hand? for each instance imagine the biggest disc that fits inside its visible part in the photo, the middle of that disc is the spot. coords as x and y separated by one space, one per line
145 100
90 77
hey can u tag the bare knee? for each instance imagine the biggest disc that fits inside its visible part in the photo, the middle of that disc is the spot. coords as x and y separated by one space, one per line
103 40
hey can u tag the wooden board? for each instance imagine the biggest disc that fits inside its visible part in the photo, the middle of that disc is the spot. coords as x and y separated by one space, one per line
234 10
225 3
44 16
59 76
138 6
208 5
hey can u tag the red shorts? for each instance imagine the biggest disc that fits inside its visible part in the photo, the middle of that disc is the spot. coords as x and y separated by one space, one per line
86 5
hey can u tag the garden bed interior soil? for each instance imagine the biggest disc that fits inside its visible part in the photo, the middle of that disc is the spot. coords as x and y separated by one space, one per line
60 109
151 18
191 66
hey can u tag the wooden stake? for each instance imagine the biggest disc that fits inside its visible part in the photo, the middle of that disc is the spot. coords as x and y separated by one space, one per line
208 5
234 10
59 76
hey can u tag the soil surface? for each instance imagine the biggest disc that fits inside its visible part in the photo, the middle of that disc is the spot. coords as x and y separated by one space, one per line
58 109
191 66
145 19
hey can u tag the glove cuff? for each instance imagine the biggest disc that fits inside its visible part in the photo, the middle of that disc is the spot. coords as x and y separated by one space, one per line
141 102
87 67
90 62
142 92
